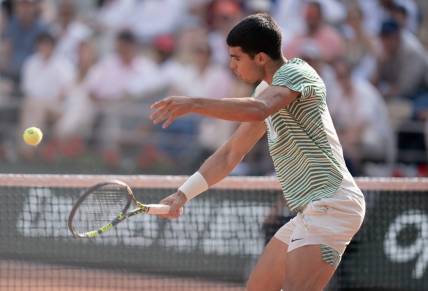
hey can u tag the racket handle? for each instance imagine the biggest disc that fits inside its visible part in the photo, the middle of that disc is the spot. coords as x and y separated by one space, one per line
157 209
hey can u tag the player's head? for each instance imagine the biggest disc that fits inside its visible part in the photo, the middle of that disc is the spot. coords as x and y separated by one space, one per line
254 42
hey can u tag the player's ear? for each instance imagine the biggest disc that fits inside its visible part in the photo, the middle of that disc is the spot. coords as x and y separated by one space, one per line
261 58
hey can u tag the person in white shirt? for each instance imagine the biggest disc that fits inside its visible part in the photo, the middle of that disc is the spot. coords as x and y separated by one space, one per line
120 76
75 124
151 18
69 31
46 80
109 19
361 119
123 73
193 72
290 15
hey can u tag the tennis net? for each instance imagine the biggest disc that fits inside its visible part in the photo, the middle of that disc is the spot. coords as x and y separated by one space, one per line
212 247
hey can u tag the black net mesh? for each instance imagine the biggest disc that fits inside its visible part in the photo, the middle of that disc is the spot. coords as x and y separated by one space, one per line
212 247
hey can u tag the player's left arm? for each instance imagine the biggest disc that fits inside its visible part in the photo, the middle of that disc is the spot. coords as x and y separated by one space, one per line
247 109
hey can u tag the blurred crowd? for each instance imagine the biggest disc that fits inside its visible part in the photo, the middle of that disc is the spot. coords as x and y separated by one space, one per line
85 72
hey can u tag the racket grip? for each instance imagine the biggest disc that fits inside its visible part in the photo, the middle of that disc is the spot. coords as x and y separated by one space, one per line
157 209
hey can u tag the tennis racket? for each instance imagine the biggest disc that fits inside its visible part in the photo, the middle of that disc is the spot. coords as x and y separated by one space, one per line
103 206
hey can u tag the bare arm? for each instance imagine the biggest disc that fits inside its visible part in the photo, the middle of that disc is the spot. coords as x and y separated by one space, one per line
247 109
221 163
229 155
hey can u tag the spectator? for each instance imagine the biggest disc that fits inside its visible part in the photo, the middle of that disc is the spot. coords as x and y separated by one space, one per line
199 75
122 74
192 72
111 17
46 80
6 86
47 10
402 71
198 11
75 124
311 53
361 120
70 32
152 18
289 14
400 15
224 15
163 48
3 18
119 76
258 6
19 40
317 30
362 48
409 10
6 7
377 11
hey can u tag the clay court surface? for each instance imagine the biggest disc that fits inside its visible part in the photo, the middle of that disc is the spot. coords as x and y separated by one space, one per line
19 276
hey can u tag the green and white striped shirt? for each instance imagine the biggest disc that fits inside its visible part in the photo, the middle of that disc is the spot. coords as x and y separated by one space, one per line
302 140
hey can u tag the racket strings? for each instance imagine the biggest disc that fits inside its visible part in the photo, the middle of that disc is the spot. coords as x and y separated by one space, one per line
100 207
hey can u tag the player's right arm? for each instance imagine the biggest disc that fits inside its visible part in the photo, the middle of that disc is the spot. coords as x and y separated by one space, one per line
217 166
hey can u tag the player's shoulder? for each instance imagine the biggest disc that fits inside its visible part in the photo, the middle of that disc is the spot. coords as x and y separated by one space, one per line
296 65
293 70
292 67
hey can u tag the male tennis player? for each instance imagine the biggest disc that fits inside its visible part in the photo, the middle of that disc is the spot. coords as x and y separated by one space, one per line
306 152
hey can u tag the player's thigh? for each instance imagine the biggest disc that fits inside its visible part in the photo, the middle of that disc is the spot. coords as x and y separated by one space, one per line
269 272
306 270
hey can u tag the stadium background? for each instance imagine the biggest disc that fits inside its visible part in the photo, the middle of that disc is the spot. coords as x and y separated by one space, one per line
107 61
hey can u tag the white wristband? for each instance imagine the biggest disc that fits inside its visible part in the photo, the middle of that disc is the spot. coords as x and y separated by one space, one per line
194 185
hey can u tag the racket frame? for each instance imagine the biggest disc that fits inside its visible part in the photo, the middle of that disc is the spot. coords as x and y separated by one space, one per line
141 208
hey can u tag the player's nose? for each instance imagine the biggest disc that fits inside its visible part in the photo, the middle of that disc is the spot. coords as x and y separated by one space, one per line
232 66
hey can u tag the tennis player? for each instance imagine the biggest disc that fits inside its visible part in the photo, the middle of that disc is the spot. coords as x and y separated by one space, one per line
290 104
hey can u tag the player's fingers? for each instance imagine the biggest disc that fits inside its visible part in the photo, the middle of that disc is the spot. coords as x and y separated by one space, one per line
167 201
172 214
161 103
157 105
156 117
175 212
169 121
159 116
155 114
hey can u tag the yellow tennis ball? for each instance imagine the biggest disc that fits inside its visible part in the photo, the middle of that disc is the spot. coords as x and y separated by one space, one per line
32 136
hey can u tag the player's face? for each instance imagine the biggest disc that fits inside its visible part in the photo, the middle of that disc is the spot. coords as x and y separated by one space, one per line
244 67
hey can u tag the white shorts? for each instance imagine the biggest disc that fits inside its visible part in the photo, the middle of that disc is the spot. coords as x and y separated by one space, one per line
328 222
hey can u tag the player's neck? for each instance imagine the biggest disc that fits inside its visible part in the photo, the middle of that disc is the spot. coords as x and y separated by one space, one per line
272 67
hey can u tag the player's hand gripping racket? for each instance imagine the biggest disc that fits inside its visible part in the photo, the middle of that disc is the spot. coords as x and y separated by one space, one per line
103 206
